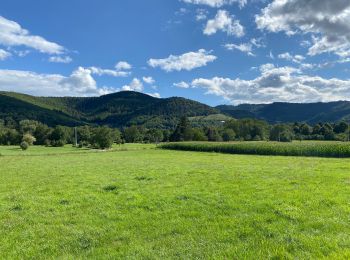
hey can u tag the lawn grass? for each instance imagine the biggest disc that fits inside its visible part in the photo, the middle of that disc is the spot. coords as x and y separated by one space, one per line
156 204
68 149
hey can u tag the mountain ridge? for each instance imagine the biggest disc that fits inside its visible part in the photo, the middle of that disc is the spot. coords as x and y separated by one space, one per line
127 107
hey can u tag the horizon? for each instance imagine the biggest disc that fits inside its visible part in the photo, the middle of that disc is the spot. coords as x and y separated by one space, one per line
217 52
132 91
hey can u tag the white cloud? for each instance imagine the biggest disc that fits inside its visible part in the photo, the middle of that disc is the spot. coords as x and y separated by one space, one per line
4 54
246 47
148 80
294 58
79 83
181 84
327 21
223 21
283 84
123 65
135 85
201 14
156 94
243 47
216 3
187 61
12 34
108 72
60 59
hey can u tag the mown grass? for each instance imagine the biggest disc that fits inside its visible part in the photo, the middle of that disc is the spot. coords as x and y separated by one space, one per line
304 148
161 204
68 149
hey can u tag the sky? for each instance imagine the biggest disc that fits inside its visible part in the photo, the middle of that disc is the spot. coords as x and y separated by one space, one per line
212 51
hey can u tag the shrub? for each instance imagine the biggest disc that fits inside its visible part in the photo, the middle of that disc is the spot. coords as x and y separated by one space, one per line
24 145
29 139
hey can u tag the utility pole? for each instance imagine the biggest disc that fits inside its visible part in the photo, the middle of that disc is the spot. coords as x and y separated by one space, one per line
75 137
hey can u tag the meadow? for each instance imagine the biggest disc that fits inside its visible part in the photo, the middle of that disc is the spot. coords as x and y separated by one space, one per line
296 148
138 201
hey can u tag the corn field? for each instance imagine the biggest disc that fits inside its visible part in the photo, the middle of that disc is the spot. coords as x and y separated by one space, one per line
305 148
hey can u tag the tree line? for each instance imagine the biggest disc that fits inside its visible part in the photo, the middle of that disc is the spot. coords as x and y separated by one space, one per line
29 132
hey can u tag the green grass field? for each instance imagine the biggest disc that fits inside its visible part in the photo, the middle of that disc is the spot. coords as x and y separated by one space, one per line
141 202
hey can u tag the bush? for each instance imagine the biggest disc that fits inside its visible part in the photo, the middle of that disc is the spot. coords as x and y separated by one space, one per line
29 139
24 145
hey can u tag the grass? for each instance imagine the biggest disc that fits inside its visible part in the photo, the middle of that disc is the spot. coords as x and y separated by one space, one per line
68 149
297 148
156 204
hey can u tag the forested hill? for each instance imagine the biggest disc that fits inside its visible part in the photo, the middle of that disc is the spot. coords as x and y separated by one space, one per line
117 110
291 112
133 108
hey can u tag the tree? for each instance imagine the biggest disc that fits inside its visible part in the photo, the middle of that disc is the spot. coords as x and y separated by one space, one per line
341 127
228 135
59 136
183 131
132 134
198 135
28 126
29 139
42 134
305 129
103 137
281 133
213 134
154 136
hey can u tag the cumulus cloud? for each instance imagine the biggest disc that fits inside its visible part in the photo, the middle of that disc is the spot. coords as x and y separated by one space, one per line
216 3
60 59
284 84
135 85
223 21
181 84
328 22
12 34
123 65
187 61
79 83
4 54
148 80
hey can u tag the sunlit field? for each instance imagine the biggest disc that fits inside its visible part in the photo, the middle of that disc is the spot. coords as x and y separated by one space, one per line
138 201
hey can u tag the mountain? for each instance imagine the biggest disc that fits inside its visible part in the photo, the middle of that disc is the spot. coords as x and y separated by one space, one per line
117 109
127 107
291 112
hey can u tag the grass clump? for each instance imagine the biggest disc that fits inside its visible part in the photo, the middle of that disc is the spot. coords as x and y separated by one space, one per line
306 148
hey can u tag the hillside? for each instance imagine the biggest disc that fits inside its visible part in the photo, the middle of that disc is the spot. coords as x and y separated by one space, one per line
126 108
291 112
117 109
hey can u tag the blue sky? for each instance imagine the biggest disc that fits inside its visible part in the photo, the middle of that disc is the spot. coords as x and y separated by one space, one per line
213 51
